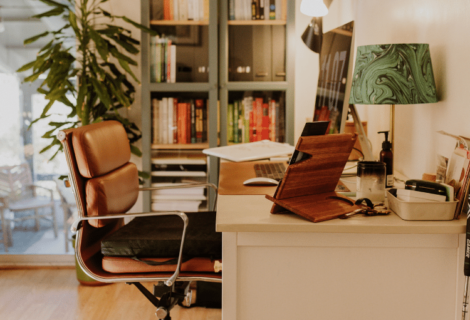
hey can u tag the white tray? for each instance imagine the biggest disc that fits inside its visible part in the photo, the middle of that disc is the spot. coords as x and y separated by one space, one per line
421 210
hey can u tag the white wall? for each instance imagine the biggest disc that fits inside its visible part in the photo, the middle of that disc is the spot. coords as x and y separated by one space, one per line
306 74
445 26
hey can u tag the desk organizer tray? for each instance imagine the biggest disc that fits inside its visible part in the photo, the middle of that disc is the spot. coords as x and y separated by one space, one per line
435 210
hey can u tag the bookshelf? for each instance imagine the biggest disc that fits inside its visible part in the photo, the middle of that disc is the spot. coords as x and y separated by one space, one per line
203 42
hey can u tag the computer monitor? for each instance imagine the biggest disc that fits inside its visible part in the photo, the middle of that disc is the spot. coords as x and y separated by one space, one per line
334 84
331 103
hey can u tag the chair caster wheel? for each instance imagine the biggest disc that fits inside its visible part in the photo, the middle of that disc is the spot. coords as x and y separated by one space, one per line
161 313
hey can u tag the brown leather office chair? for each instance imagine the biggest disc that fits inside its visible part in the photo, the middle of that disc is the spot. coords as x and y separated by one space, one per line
106 186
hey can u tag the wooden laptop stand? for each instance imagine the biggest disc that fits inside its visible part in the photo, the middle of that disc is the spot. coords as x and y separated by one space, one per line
307 188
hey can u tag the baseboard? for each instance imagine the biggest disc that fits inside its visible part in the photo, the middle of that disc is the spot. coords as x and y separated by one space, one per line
43 260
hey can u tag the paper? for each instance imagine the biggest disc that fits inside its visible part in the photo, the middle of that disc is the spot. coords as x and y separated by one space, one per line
251 151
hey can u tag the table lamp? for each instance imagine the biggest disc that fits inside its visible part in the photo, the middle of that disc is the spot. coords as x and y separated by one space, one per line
393 74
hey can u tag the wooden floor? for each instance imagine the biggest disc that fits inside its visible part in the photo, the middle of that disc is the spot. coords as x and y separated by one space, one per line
42 294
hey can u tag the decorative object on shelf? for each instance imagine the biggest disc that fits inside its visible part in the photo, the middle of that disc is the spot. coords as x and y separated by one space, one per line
393 74
313 34
103 87
313 8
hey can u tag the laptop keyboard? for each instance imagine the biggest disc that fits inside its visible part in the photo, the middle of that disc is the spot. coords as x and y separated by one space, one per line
270 170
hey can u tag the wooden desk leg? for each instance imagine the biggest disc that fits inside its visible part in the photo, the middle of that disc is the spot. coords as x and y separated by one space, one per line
229 276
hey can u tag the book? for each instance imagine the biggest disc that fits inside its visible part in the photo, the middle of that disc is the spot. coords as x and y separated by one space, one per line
166 10
205 10
155 120
183 9
241 122
156 10
235 122
158 59
175 120
248 109
265 122
261 10
170 127
182 120
173 64
258 118
190 4
272 9
164 120
253 10
199 120
172 9
193 121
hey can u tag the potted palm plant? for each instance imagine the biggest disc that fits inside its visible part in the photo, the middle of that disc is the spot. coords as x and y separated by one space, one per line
86 66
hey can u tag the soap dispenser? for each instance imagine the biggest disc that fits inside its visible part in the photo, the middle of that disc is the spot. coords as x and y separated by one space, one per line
386 156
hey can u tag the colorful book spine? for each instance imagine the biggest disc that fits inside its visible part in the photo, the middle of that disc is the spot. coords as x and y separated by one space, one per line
272 120
166 10
182 120
265 122
259 118
155 120
199 120
170 127
175 120
248 109
193 121
272 10
235 122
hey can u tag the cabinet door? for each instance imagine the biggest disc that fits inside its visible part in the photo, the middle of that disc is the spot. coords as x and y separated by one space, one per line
262 55
240 53
279 53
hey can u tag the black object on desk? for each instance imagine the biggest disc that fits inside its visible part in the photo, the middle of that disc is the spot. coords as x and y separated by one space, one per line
426 186
317 128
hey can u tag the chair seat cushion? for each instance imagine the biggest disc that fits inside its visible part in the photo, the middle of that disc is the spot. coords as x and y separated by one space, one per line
160 237
31 203
128 265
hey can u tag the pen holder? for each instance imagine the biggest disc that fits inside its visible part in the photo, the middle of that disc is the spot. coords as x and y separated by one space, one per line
371 180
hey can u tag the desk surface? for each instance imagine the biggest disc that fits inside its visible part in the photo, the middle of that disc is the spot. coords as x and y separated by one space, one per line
250 213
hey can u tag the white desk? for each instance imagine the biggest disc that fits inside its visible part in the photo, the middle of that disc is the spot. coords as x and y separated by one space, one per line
363 268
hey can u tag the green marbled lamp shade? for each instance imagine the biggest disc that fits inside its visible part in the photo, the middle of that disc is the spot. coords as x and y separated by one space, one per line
393 74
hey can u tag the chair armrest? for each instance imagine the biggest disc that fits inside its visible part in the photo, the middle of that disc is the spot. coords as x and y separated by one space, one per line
35 186
182 215
185 186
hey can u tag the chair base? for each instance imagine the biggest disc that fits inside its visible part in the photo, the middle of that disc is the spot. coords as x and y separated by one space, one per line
164 298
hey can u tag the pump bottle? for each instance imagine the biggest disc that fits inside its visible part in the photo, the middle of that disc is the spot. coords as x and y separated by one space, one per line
386 156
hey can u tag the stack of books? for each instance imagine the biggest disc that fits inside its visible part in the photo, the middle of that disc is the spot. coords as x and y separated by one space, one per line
257 9
256 119
180 10
162 60
179 121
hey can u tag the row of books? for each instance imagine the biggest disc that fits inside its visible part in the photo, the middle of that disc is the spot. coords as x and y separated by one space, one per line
180 10
179 121
256 119
162 60
257 10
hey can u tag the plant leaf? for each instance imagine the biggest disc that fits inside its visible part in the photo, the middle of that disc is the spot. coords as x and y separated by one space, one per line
36 37
136 151
138 25
27 66
51 13
54 3
126 67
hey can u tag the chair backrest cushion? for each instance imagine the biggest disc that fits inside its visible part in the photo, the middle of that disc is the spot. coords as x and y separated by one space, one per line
100 148
102 155
114 192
